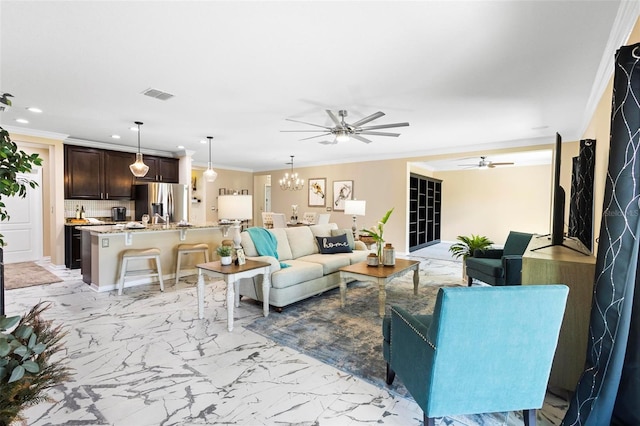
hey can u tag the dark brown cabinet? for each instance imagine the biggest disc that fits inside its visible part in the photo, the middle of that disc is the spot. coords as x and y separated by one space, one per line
72 240
97 174
425 200
161 169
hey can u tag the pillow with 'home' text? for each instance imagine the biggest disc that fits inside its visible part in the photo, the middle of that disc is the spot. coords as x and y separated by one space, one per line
331 245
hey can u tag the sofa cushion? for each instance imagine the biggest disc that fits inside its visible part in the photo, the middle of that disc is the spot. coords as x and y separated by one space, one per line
297 272
330 264
348 233
284 251
323 230
301 241
355 256
332 245
284 248
492 267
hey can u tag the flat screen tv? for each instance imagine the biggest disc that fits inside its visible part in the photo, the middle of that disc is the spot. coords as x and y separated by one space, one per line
558 197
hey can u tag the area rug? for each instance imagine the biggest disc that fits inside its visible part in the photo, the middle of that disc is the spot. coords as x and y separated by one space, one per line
26 274
349 339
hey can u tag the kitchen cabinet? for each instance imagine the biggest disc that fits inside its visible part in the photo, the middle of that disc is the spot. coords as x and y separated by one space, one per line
97 174
72 244
161 169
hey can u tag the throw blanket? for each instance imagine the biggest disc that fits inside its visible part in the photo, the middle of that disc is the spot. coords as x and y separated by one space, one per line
265 242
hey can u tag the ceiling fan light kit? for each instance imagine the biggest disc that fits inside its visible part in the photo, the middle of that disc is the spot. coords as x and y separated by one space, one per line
343 131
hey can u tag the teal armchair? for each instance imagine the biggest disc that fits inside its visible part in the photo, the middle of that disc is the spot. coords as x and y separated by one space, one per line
499 266
484 349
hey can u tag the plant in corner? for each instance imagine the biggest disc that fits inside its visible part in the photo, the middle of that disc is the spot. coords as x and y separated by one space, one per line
27 367
467 245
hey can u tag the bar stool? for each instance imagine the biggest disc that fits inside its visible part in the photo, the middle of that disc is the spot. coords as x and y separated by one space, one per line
190 248
140 254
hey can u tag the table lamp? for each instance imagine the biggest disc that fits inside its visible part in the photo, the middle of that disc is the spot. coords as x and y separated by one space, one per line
236 208
355 208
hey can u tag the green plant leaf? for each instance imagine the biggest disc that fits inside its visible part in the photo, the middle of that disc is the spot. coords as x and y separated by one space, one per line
21 351
10 322
31 366
4 348
32 341
39 348
23 332
16 374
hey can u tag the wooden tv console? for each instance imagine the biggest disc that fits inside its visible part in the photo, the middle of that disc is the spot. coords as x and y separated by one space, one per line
561 265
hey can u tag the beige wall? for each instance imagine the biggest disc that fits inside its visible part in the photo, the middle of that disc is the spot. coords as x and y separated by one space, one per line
207 192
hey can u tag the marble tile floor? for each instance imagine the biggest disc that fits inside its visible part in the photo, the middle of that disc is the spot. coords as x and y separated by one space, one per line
144 358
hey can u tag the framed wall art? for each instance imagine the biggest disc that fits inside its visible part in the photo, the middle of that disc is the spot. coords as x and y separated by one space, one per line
317 192
342 190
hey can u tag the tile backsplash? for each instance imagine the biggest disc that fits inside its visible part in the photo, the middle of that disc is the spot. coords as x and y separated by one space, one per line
97 208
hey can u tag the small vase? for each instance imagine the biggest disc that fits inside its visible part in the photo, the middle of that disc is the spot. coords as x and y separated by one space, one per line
379 245
225 260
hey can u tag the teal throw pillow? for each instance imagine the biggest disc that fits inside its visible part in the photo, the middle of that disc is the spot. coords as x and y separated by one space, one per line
331 245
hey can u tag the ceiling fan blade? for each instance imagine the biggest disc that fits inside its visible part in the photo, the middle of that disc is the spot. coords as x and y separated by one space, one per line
334 118
328 142
303 131
367 119
316 136
360 138
384 126
310 124
379 133
492 165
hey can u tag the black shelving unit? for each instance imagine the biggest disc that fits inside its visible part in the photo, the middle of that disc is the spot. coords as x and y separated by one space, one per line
425 201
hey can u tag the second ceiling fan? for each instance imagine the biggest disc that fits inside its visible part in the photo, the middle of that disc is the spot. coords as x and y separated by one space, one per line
343 131
486 164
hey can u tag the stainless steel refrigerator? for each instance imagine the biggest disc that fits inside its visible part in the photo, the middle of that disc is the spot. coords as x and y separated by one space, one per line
162 198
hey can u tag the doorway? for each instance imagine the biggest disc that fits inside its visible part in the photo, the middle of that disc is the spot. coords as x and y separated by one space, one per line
22 233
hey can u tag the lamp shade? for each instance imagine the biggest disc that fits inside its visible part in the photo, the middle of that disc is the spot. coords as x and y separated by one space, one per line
235 207
355 207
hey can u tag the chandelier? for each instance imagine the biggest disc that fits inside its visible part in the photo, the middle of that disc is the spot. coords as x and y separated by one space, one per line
139 169
210 175
291 181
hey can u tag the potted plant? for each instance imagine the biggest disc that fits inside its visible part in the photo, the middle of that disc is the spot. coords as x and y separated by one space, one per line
377 233
225 254
465 247
28 346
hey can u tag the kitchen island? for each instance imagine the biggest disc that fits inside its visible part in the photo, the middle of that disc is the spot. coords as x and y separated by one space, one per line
101 246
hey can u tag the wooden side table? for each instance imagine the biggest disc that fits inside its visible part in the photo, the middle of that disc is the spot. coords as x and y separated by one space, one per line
231 274
380 275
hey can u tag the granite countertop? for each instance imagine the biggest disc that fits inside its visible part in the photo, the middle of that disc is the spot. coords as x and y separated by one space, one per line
121 227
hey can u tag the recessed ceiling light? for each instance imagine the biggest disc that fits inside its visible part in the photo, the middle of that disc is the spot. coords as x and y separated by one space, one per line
180 146
34 109
203 141
540 128
22 120
115 136
133 129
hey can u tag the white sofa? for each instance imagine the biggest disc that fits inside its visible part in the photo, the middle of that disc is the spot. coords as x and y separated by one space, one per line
310 272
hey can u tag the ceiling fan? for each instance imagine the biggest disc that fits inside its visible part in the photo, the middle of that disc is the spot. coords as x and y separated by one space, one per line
343 131
486 164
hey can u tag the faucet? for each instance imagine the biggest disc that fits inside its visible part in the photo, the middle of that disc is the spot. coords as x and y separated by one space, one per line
157 217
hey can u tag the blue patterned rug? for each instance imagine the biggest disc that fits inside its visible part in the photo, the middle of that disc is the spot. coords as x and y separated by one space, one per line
350 339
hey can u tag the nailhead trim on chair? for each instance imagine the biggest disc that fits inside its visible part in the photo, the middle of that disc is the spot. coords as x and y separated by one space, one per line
414 329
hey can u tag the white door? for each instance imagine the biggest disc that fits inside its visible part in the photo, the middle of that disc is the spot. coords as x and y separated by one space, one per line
22 233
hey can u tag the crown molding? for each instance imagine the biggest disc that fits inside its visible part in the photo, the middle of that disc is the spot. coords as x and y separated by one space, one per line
116 147
628 13
35 133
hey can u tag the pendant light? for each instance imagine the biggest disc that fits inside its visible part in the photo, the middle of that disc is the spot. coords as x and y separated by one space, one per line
139 169
210 175
291 181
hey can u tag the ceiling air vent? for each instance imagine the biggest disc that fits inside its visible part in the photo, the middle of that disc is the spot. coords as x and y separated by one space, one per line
158 94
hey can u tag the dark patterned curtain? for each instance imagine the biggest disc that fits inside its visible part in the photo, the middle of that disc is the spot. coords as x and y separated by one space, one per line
581 200
608 391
